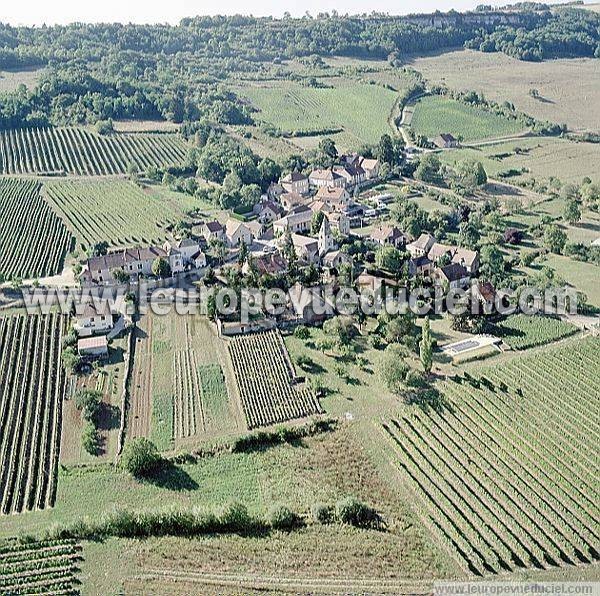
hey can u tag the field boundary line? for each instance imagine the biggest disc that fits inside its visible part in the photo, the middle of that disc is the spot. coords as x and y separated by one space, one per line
394 586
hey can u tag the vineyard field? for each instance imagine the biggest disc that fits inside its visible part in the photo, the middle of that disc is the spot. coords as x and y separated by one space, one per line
435 115
77 151
266 380
524 331
116 211
359 109
33 240
32 387
505 470
48 567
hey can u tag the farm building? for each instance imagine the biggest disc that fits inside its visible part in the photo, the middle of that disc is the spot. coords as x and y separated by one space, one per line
93 347
446 141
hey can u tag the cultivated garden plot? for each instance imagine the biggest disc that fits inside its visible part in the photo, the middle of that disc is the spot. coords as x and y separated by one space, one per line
47 567
267 382
33 239
182 385
80 152
505 472
32 387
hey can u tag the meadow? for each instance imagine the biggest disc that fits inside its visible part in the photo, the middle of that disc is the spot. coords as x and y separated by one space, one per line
318 469
502 78
116 211
540 157
33 240
434 115
84 153
359 109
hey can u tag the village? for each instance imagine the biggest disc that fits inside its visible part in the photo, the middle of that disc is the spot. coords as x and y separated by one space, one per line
300 233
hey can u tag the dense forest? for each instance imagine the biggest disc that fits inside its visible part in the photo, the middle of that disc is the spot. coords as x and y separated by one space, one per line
97 72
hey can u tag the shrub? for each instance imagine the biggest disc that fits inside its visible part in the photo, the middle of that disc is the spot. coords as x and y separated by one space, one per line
282 518
355 513
302 332
90 439
304 361
140 457
321 513
88 401
235 518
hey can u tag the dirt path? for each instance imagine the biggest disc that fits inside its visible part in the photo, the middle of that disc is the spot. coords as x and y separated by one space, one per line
292 585
140 409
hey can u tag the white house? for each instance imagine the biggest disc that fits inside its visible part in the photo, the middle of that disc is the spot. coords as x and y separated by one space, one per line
267 211
337 197
297 222
213 230
370 167
330 178
198 260
295 182
291 200
307 249
237 232
186 247
354 175
91 319
420 247
133 262
339 221
455 275
388 236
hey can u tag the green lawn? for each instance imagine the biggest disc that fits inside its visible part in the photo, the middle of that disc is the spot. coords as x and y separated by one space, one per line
541 157
362 110
434 115
584 276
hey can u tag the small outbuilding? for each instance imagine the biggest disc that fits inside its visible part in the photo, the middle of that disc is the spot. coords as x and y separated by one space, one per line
93 347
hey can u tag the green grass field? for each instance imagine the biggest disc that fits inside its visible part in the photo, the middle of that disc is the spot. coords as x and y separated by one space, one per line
322 468
584 276
362 110
117 211
434 115
542 157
